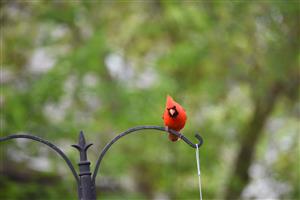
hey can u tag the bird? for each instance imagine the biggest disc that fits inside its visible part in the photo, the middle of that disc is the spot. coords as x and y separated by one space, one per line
174 117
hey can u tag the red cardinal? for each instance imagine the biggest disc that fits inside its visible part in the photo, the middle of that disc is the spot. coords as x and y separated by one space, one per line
174 117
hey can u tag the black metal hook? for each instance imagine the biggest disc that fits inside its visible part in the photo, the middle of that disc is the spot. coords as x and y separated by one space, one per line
181 136
132 130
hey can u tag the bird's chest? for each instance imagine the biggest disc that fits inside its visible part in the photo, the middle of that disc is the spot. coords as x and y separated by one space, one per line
175 123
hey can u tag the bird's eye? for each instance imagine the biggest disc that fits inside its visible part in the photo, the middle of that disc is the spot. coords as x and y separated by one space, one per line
174 107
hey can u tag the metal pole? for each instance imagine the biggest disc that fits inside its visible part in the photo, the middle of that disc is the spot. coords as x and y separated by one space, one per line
86 188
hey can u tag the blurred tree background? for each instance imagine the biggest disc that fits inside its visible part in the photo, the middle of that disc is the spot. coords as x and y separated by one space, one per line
103 67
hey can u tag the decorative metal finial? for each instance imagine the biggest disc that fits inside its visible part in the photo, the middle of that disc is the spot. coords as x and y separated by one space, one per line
86 186
82 147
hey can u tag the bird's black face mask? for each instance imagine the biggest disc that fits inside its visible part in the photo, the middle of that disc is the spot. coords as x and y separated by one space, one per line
173 112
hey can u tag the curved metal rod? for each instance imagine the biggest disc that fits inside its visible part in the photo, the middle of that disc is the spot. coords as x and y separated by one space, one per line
49 144
131 130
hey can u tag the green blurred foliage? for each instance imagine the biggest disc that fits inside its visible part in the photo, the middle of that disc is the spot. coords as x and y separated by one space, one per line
112 63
